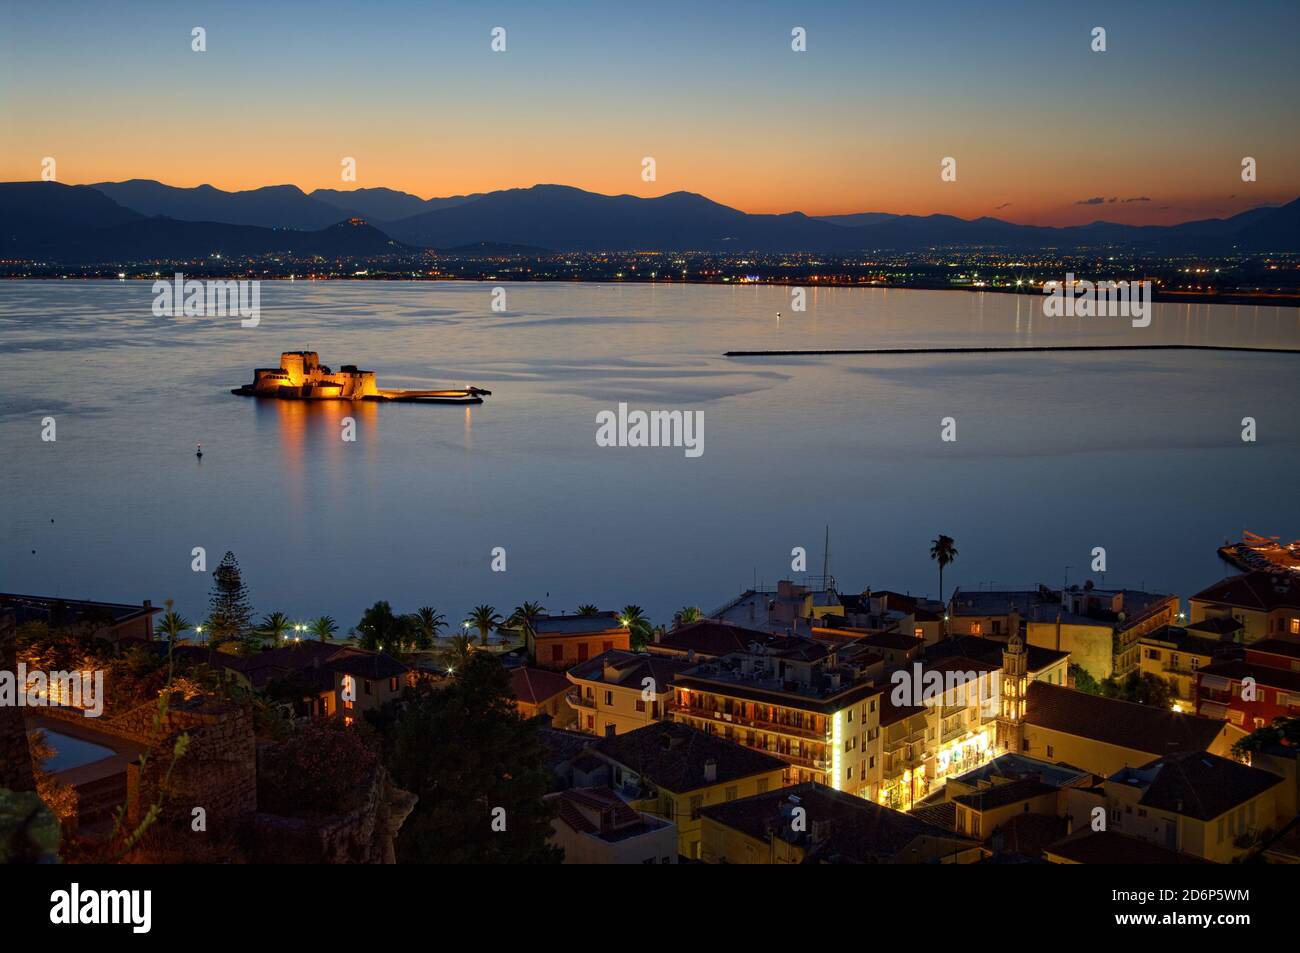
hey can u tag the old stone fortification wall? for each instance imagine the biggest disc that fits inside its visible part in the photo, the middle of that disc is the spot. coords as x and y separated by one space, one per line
218 771
361 836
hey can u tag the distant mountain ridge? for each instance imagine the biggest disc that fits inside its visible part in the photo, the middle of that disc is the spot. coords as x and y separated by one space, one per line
60 222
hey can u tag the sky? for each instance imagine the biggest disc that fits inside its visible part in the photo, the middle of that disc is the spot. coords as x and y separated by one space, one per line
1043 129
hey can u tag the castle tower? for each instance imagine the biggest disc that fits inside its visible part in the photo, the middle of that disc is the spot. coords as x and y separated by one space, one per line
1013 684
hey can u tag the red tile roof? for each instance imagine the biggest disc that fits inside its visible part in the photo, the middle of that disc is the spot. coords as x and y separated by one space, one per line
1262 591
534 685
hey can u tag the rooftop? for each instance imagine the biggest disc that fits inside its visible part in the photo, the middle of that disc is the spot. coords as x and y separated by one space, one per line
599 812
1219 674
842 828
989 651
1261 591
617 667
675 756
554 625
1190 641
1087 846
1196 784
1124 724
536 685
56 611
1002 793
711 638
1283 647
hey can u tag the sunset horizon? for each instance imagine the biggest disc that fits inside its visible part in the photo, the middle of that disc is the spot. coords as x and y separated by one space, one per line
1119 209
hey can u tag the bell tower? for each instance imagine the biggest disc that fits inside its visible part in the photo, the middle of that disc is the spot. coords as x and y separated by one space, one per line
1013 685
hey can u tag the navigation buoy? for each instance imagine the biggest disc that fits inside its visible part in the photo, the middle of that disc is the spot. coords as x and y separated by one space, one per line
199 451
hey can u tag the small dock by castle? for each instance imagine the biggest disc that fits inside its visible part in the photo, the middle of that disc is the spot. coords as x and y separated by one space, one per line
301 376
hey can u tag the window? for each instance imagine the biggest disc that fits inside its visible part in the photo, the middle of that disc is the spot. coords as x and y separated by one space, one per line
697 802
609 699
871 762
591 723
640 705
392 684
347 706
850 716
1295 626
918 632
557 653
977 628
583 650
873 705
731 793
762 785
997 626
606 646
369 686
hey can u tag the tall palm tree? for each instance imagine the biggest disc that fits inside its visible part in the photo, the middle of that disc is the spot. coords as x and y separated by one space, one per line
274 626
633 619
171 624
428 622
485 619
587 609
943 552
324 628
525 617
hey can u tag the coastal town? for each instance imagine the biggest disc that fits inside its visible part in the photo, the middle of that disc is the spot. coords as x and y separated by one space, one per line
813 722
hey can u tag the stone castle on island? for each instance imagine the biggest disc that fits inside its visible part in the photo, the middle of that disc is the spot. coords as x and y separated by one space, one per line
301 376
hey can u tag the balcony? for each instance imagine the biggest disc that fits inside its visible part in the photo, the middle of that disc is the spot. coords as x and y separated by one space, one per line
723 718
575 700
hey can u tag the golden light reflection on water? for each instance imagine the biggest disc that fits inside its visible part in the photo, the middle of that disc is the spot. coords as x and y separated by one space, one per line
311 435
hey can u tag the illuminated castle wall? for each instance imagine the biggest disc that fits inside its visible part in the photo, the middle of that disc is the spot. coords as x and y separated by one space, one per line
301 374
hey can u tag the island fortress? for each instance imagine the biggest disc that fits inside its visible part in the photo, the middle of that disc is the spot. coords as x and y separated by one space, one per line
301 376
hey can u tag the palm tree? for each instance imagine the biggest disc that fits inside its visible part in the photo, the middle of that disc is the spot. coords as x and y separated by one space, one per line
428 622
688 614
587 609
633 619
274 626
485 619
172 625
324 628
943 552
525 617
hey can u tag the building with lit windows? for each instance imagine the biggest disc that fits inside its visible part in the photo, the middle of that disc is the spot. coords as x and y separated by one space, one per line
559 642
812 824
794 699
1251 691
1267 604
617 691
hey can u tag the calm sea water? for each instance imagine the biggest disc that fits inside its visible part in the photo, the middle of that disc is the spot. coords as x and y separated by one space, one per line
1140 453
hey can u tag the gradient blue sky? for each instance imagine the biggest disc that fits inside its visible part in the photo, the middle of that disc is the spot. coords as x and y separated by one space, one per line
1035 119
